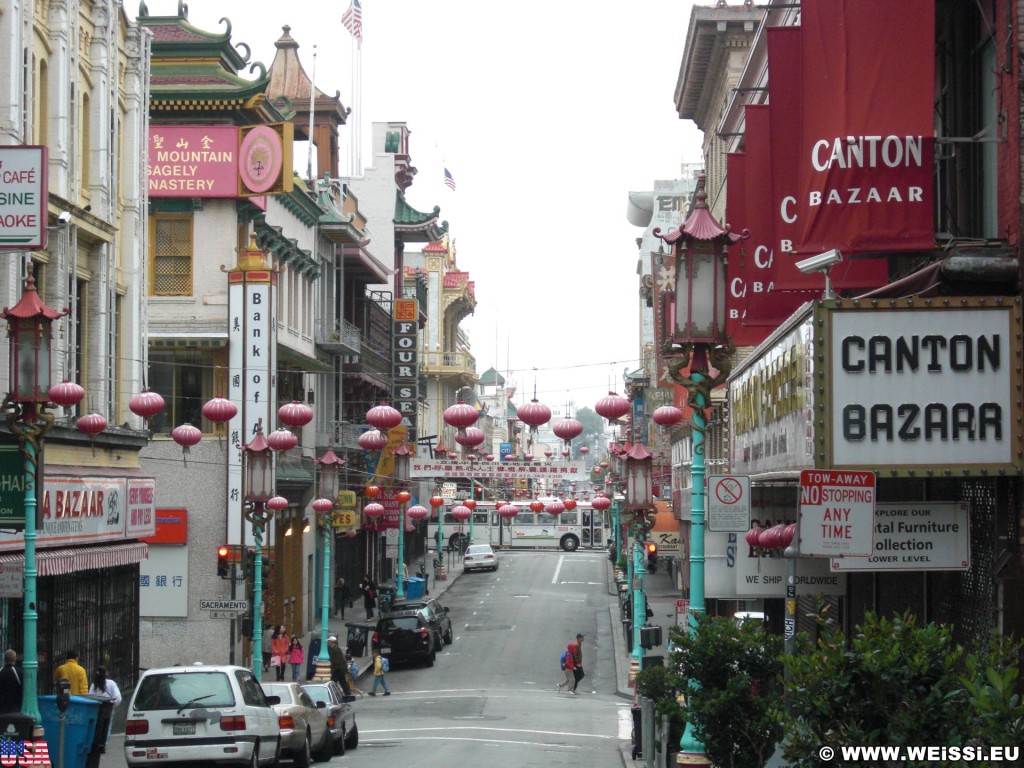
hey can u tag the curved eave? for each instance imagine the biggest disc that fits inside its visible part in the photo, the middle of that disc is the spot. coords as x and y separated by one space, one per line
361 264
174 36
284 249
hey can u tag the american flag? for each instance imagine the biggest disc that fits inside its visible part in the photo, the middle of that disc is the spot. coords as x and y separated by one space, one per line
448 180
353 20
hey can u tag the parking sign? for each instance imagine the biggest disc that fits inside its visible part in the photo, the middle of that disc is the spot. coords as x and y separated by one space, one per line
837 512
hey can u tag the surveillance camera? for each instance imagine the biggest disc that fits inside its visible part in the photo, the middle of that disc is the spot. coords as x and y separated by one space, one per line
821 262
64 218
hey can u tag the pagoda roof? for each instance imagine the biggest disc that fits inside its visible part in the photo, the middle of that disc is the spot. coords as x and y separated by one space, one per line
201 71
437 246
491 377
288 78
700 224
412 226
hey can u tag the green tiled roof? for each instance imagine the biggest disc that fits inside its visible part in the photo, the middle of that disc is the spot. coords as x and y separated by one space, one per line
422 226
491 378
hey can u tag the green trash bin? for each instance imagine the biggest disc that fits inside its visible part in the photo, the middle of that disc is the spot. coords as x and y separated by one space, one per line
79 729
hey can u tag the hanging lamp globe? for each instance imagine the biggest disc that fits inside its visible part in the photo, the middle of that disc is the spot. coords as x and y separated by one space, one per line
277 503
282 440
219 410
667 416
373 510
68 394
613 407
322 506
601 503
417 512
295 414
91 424
461 415
146 404
383 417
372 440
186 435
462 513
533 414
568 429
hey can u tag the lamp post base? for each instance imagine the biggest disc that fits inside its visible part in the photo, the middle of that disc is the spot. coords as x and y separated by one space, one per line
693 759
323 671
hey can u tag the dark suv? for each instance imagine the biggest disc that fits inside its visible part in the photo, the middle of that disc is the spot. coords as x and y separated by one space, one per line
436 614
405 636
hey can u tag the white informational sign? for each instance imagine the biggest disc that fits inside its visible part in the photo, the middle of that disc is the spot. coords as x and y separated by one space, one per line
837 512
23 202
923 387
163 581
728 499
391 542
493 470
11 578
215 604
766 576
923 536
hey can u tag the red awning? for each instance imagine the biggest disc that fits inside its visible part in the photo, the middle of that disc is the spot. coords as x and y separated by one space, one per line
57 562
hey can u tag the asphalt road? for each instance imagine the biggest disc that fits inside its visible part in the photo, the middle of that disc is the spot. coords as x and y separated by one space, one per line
490 697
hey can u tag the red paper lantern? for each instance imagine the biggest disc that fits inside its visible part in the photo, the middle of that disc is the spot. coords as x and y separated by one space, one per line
471 437
570 504
548 453
383 417
436 501
788 534
403 496
417 512
373 510
489 457
219 410
508 511
471 503
601 503
528 457
277 503
565 454
667 416
533 414
146 404
186 435
567 429
91 424
453 455
372 491
462 513
461 415
613 407
282 440
752 536
372 440
537 505
67 394
322 506
295 414
554 508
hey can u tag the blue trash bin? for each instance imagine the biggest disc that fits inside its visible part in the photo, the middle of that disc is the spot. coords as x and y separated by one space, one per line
79 729
414 588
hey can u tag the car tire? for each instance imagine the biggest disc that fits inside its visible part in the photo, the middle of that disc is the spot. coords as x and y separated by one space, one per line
352 739
303 757
254 761
448 638
430 659
340 744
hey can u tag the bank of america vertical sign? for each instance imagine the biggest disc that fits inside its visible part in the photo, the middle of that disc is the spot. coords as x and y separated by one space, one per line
404 362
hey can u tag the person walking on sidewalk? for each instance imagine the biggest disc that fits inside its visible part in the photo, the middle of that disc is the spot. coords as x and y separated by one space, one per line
351 670
296 655
577 657
369 595
10 683
378 674
570 666
342 597
280 643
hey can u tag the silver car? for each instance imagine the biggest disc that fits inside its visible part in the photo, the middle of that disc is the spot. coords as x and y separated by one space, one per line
480 557
341 717
304 731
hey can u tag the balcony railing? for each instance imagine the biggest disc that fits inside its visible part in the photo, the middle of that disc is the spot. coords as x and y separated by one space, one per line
340 435
339 336
449 363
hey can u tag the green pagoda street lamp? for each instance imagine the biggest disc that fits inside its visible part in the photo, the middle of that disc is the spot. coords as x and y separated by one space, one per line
698 342
402 456
30 330
329 465
639 499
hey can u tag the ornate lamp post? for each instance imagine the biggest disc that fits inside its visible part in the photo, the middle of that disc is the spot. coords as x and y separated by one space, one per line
30 329
698 341
260 506
329 465
402 456
639 501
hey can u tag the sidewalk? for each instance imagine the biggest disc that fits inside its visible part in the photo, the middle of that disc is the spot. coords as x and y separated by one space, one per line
356 614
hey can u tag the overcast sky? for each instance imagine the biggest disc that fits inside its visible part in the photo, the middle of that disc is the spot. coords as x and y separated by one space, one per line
547 115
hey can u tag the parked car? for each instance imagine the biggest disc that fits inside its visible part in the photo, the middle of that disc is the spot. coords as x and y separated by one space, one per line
436 614
480 557
304 731
203 713
405 636
341 716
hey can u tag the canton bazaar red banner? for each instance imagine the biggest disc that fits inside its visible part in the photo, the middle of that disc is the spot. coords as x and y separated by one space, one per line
740 324
786 113
866 139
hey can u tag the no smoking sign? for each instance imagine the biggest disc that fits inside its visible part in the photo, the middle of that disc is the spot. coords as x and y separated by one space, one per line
728 503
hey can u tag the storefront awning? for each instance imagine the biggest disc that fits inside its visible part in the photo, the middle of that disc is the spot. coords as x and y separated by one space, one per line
57 562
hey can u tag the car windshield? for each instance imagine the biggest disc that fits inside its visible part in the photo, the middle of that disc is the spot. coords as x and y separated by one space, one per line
279 689
479 549
176 690
400 622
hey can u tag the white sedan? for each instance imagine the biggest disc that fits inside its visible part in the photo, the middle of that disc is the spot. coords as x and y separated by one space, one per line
480 556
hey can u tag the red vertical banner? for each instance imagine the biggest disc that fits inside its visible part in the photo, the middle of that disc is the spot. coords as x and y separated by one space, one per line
737 327
866 138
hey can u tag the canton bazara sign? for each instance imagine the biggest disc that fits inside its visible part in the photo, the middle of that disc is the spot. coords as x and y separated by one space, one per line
923 386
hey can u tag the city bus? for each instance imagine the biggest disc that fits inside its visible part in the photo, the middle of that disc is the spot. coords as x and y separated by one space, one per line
581 527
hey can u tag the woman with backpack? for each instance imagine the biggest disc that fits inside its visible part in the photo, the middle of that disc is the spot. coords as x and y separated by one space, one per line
568 666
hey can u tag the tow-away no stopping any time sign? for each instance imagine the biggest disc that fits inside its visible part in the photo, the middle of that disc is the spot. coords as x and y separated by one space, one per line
837 512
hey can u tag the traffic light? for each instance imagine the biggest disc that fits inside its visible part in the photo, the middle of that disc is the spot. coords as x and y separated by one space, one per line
652 556
222 561
650 636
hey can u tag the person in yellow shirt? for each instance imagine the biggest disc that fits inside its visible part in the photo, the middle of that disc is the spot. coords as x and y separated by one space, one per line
74 672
